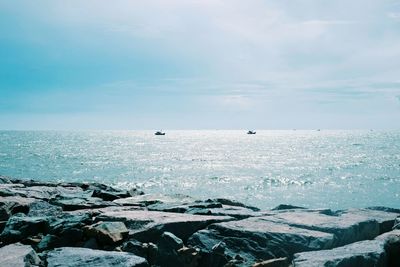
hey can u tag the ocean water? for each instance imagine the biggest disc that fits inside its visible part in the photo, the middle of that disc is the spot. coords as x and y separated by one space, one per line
334 169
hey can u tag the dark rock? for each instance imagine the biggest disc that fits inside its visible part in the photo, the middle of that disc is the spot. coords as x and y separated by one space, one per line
167 255
392 247
5 180
135 247
286 207
234 203
83 257
66 221
107 233
256 239
362 253
74 203
18 255
69 237
92 244
396 224
19 227
149 199
147 226
189 257
110 196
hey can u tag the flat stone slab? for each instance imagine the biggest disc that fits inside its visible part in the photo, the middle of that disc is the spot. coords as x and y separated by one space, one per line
18 255
83 257
348 227
149 225
256 239
363 253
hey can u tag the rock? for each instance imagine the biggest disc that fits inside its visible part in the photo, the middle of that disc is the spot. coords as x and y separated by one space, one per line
189 257
110 196
167 255
66 221
19 227
147 226
286 207
84 257
13 205
43 208
279 262
74 203
149 199
107 233
18 255
348 227
5 180
135 247
234 203
69 237
384 217
392 247
256 239
396 224
362 253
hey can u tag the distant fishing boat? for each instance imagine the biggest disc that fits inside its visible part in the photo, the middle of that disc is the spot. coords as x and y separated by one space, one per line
251 132
159 133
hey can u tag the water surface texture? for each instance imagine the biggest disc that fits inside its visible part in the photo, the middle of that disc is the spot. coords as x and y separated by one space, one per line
335 169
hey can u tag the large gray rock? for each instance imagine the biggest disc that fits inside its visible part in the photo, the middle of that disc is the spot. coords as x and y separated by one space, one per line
368 253
255 239
83 257
76 203
18 255
147 226
107 233
348 227
14 204
19 227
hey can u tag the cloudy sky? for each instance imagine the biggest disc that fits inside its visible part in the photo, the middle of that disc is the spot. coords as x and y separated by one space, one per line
200 64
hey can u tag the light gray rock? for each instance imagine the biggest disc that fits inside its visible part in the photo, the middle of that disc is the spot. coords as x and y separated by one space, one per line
18 255
348 227
107 233
368 253
256 239
147 226
14 204
84 257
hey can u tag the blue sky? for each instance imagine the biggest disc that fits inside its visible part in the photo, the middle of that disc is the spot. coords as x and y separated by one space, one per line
199 64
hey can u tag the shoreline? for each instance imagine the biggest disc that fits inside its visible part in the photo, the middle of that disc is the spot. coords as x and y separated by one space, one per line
84 224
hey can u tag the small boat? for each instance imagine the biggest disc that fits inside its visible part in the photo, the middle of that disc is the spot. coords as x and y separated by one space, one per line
159 133
251 132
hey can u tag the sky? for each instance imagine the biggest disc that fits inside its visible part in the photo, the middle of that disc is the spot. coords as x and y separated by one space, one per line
199 64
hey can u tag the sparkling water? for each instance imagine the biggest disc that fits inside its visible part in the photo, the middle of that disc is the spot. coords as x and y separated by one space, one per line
334 169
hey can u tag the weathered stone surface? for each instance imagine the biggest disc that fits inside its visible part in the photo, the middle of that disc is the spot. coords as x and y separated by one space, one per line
12 205
75 203
256 239
147 226
107 233
392 247
4 180
18 255
43 208
286 207
347 227
68 237
363 253
385 218
19 227
149 199
279 262
167 253
83 257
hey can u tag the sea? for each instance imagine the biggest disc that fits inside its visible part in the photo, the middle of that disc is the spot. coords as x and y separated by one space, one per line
315 169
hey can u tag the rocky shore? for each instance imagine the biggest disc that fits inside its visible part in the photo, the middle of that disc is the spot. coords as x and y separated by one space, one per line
91 224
